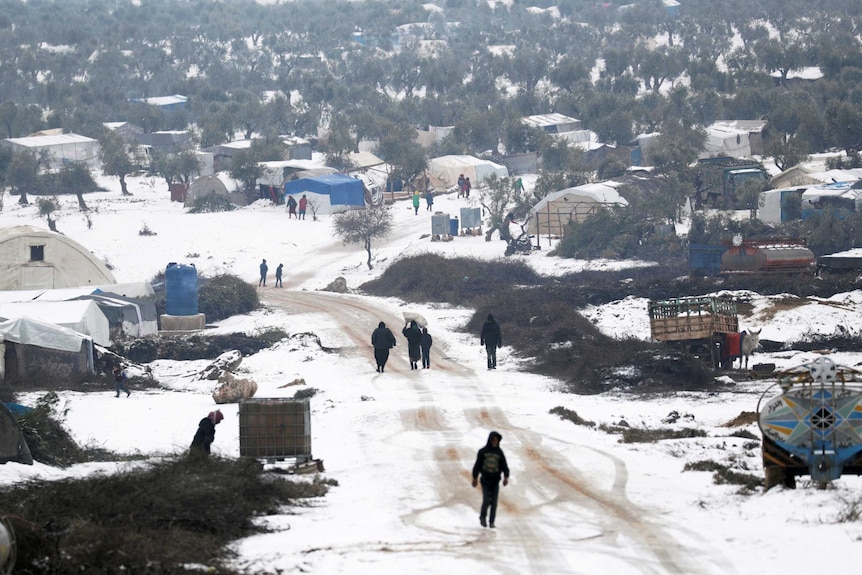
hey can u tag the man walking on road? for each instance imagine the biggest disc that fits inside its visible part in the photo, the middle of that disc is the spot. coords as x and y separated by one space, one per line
491 464
263 269
492 339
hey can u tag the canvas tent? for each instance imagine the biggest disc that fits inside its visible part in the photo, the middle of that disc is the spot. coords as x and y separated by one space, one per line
446 169
220 184
779 206
81 316
126 316
30 345
329 194
552 214
32 258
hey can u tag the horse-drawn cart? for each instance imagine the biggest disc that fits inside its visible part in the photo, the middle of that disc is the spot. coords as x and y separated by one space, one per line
699 324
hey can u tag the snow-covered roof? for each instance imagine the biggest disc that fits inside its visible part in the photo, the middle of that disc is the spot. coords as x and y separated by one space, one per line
59 139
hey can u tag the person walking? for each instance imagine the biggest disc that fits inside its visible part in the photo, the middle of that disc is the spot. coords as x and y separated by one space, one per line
425 348
491 465
467 187
303 204
492 339
416 202
291 207
429 199
414 342
263 269
120 380
519 187
460 185
278 275
382 340
205 434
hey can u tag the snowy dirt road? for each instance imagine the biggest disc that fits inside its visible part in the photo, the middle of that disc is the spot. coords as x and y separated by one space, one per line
566 509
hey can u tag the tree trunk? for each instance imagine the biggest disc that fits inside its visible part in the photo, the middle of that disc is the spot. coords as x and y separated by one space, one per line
52 225
82 205
368 251
123 186
22 200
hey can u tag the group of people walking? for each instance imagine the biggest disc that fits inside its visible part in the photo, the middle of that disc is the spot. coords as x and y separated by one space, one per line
264 270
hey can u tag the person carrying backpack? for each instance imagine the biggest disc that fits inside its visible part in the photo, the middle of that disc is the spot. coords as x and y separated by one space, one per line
491 465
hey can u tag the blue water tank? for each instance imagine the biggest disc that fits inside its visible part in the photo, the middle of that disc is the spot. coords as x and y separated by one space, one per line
453 226
181 289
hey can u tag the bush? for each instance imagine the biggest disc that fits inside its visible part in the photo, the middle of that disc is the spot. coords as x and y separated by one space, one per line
223 296
197 346
211 203
172 517
572 416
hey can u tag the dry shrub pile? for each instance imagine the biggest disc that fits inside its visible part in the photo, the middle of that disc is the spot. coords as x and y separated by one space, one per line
185 348
169 517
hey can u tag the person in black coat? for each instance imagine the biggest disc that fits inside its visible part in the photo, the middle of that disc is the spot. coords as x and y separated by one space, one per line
382 340
414 343
491 464
205 434
492 339
425 346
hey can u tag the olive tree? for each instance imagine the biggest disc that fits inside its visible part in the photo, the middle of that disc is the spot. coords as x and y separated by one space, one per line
363 226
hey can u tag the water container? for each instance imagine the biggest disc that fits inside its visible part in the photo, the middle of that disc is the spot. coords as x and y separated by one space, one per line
439 224
453 226
181 289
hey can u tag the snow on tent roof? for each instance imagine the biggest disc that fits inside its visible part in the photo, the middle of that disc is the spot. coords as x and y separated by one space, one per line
82 316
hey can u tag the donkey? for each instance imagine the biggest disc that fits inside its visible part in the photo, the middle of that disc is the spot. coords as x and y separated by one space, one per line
750 342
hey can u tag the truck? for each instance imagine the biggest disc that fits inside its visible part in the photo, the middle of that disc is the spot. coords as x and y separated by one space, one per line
699 324
811 422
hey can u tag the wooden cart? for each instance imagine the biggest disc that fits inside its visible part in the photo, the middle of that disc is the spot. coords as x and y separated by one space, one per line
697 323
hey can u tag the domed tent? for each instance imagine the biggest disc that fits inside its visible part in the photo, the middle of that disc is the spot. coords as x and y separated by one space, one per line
552 214
31 258
219 184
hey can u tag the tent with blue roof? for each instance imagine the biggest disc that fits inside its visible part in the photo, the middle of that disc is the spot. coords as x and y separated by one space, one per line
328 194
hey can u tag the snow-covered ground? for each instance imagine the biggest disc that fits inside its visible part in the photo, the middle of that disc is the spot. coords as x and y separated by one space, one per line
401 444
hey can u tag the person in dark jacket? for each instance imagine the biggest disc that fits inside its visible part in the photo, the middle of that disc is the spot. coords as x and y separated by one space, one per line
205 434
382 340
491 465
120 380
414 342
291 207
278 275
425 345
263 269
492 339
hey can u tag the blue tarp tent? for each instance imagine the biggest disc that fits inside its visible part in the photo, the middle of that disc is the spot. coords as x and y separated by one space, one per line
328 194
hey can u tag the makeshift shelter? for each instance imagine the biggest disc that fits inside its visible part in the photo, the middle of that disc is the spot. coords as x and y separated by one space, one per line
838 196
13 446
220 184
30 345
329 194
81 316
61 148
446 169
126 316
32 258
779 206
552 214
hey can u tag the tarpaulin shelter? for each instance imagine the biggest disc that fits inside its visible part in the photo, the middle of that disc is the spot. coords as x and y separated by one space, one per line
82 316
126 316
29 345
329 194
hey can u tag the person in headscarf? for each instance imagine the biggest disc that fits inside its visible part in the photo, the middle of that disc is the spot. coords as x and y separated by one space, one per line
414 343
382 340
205 434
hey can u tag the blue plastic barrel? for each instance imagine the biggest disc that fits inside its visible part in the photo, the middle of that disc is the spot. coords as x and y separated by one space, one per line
453 226
181 289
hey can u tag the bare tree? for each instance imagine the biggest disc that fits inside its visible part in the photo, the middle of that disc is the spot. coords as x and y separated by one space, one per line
362 226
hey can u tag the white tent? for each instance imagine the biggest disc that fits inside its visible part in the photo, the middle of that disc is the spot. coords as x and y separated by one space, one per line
83 316
61 148
552 214
32 258
446 170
